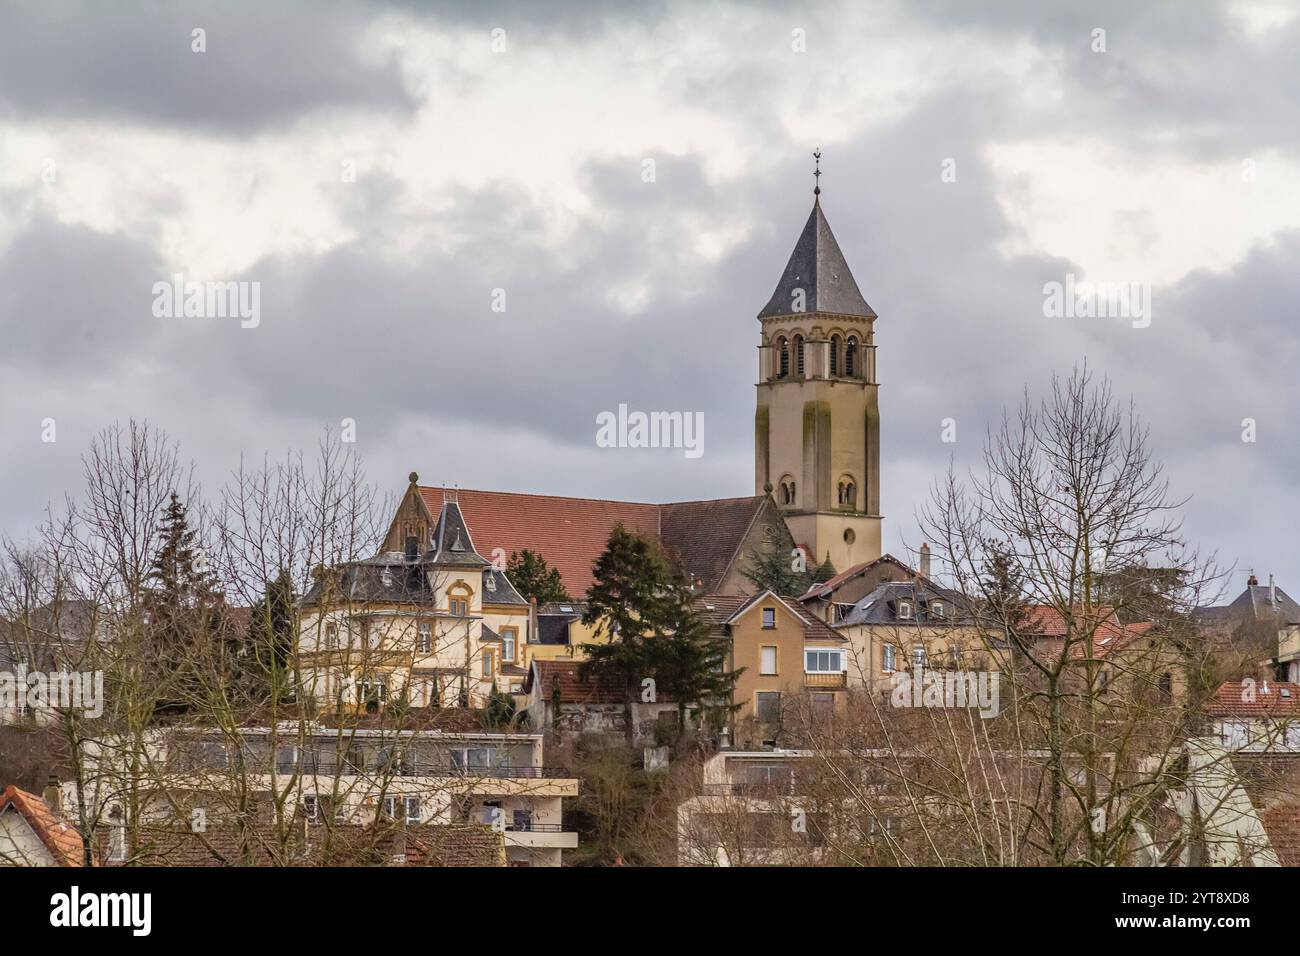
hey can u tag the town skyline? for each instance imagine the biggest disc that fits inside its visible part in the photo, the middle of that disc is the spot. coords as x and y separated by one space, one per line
377 249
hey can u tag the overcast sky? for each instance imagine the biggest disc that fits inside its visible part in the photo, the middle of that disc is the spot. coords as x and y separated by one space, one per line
1172 158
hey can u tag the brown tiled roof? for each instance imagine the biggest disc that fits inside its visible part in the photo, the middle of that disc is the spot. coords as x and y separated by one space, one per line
596 689
463 844
814 628
259 845
1270 699
1282 824
703 537
717 609
1047 627
60 838
830 586
571 533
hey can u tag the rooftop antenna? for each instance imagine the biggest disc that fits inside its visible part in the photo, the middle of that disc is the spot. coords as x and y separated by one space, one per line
817 175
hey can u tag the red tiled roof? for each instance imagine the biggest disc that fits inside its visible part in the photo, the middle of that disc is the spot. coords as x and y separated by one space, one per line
1046 620
1263 699
61 839
571 533
1047 626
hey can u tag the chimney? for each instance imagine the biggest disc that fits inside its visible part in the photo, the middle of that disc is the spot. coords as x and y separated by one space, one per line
1272 591
925 561
1252 581
53 794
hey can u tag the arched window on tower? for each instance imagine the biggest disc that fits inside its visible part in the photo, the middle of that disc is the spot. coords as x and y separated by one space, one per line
787 490
798 356
851 357
848 492
783 357
835 354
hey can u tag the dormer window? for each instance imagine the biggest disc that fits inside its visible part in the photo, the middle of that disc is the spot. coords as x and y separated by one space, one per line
386 577
904 610
936 608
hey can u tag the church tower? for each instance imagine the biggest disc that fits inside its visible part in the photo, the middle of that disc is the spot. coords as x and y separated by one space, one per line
817 426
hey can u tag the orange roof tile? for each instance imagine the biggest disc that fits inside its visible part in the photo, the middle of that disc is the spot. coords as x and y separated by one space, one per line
1233 698
61 839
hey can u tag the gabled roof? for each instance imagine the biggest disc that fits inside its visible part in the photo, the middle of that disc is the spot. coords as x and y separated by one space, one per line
1276 699
828 588
704 538
61 839
817 266
814 628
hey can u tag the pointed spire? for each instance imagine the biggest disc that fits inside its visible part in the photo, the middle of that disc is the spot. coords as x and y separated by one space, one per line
817 277
817 176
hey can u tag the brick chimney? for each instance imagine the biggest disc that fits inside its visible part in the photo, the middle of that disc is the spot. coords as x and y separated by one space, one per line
924 561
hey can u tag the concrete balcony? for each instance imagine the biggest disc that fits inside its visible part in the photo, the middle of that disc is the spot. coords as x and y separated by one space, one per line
541 836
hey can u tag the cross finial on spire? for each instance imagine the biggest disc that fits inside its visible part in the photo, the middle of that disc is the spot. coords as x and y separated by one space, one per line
817 173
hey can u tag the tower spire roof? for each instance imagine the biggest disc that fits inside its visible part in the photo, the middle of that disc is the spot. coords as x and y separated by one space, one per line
817 266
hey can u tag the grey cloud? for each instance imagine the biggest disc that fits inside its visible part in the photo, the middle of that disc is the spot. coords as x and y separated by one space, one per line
409 345
265 63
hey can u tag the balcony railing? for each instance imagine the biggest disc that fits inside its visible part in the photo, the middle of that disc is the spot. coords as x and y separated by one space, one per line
417 768
529 827
824 680
757 789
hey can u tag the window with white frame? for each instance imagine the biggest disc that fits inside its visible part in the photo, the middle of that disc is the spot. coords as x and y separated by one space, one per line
412 809
310 808
769 618
918 656
331 636
1234 733
937 608
767 662
823 660
424 637
905 610
889 658
489 662
1292 738
509 640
